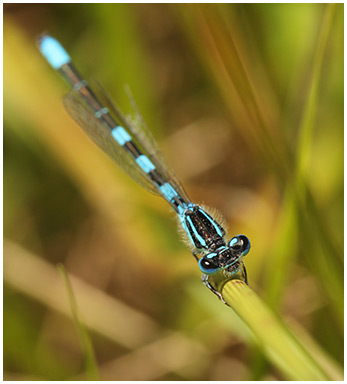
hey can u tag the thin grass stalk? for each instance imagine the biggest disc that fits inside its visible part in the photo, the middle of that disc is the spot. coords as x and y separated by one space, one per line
310 108
86 344
326 263
283 250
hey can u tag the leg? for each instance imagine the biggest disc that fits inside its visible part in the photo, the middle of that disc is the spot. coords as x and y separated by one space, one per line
244 273
195 254
204 279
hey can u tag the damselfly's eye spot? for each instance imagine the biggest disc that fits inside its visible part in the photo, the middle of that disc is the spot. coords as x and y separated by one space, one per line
240 244
208 266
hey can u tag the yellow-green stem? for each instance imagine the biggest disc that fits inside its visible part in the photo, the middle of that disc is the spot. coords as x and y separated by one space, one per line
278 342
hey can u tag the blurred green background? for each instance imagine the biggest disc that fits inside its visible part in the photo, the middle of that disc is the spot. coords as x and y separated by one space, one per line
246 102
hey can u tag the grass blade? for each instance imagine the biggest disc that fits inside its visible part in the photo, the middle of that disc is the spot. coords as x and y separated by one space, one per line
86 344
326 262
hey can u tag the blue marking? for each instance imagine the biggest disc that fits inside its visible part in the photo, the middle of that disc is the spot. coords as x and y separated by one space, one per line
211 255
146 164
120 135
54 53
216 227
79 85
184 225
100 112
168 191
196 233
233 241
181 210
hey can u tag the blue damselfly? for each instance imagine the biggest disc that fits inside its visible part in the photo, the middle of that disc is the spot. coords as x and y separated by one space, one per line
134 150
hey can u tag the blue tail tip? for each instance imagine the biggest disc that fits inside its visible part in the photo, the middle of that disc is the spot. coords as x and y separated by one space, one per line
53 51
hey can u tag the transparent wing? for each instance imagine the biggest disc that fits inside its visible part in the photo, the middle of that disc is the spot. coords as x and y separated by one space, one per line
145 140
101 136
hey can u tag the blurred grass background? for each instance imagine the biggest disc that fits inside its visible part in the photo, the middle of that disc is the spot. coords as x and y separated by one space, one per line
246 102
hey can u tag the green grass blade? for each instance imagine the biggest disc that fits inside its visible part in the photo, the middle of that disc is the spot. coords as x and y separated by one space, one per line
282 252
279 344
310 107
86 344
326 262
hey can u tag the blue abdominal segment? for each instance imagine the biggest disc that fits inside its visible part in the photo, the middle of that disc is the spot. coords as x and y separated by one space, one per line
168 191
145 164
54 53
120 135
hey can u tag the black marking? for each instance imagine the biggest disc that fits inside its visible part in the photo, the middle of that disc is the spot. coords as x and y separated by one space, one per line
131 147
156 177
205 230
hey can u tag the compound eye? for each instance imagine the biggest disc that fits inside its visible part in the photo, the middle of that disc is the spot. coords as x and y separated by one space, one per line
240 244
208 264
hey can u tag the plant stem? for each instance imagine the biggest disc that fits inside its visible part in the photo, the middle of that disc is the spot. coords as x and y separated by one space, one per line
279 344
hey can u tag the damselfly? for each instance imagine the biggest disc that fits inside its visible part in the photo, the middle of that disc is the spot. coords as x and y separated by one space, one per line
134 150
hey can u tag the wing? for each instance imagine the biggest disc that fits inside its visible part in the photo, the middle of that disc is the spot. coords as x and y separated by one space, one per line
145 139
101 136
